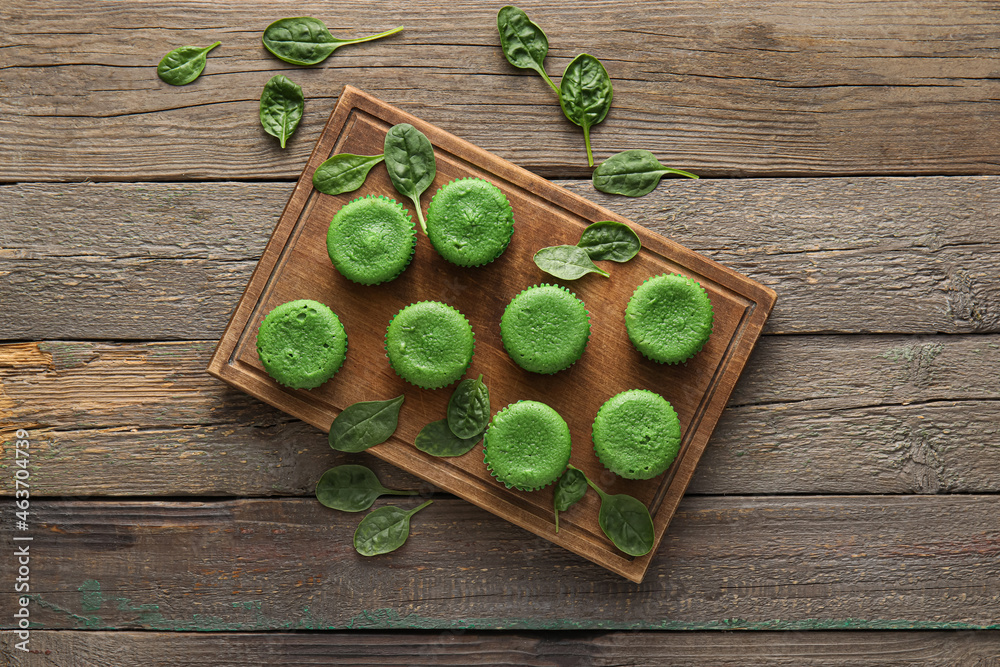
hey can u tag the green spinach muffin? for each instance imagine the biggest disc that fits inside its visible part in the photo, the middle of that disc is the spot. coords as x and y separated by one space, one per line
527 445
429 344
637 434
301 344
371 240
545 328
669 318
470 222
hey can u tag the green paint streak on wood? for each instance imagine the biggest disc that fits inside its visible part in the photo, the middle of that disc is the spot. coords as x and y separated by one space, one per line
925 353
68 355
80 622
248 615
92 600
90 595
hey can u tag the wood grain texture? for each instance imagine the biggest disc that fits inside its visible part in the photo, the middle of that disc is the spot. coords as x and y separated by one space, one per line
800 563
778 88
728 88
527 649
811 414
910 255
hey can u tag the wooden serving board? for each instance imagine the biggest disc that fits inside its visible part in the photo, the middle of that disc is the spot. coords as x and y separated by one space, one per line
295 265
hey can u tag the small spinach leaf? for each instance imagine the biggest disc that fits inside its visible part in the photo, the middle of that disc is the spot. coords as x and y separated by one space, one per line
343 173
626 522
303 40
524 44
384 530
469 408
365 424
409 159
566 262
571 487
585 95
437 439
607 240
183 65
352 488
281 106
632 173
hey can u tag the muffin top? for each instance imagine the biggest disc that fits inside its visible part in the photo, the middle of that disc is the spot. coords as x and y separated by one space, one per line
429 344
637 434
469 222
527 445
301 344
371 239
669 318
545 328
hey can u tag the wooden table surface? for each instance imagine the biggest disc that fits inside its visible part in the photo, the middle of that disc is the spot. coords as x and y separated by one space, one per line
846 510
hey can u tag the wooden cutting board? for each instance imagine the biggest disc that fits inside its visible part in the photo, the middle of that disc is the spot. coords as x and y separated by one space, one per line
295 265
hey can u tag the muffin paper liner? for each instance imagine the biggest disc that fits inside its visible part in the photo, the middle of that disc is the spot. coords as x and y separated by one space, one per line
589 327
413 246
510 209
386 344
694 352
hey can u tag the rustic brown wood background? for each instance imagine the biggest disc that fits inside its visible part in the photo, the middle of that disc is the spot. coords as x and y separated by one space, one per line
847 510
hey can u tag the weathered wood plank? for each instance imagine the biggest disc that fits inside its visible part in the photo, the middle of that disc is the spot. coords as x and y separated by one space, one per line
727 563
726 88
550 649
902 255
812 414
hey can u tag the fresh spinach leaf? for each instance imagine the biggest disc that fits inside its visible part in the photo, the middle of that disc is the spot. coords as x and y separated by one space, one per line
469 408
607 240
524 44
571 487
303 40
281 106
632 173
585 95
183 65
566 262
352 488
384 530
626 522
365 424
437 439
343 173
409 159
